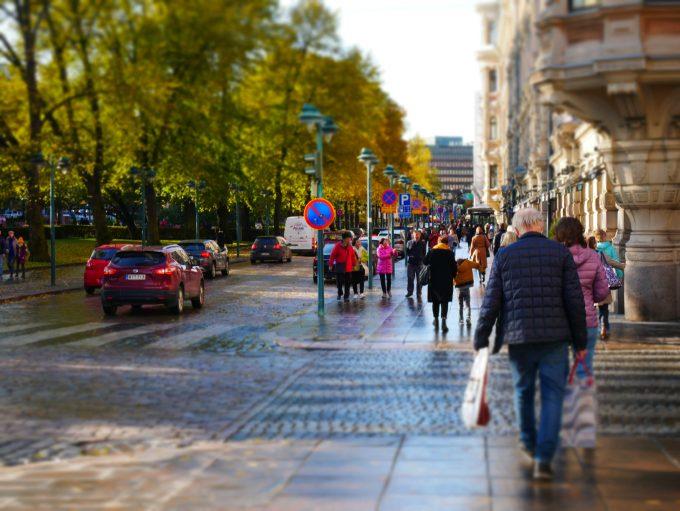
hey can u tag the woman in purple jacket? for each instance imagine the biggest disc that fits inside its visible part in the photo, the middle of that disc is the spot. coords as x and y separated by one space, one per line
569 231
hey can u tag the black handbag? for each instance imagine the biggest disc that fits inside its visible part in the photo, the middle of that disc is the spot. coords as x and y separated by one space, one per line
424 275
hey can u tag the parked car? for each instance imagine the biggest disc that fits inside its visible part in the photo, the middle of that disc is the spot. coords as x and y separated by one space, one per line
270 248
208 255
94 268
152 275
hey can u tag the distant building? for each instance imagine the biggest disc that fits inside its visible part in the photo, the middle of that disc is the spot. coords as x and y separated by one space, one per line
452 164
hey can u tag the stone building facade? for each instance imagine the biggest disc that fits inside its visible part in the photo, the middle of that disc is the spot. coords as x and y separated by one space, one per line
587 100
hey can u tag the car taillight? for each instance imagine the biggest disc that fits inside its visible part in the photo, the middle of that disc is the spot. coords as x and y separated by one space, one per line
110 271
205 254
254 247
168 270
89 264
277 246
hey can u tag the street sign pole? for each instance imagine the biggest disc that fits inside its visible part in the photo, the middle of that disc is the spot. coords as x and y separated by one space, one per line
319 234
369 232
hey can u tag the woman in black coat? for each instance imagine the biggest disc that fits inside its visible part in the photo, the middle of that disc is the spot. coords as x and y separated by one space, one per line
443 269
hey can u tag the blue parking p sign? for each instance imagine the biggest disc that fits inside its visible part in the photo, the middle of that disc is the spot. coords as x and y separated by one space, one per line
405 199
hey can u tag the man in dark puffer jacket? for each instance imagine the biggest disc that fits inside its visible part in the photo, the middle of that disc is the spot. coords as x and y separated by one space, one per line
535 290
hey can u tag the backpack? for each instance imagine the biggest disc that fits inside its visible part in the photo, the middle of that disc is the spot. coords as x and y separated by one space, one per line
614 281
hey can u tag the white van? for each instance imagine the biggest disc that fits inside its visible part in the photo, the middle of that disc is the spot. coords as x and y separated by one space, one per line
299 235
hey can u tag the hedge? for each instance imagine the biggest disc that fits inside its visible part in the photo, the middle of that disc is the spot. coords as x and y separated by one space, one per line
88 231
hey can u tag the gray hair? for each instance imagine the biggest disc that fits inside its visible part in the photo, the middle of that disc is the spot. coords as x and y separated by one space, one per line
526 218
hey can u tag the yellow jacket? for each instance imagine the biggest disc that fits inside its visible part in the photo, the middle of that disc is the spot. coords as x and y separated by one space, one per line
464 276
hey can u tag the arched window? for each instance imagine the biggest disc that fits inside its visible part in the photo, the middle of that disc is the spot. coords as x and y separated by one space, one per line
493 80
493 128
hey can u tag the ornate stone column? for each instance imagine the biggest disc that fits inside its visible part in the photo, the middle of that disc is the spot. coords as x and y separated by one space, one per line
645 174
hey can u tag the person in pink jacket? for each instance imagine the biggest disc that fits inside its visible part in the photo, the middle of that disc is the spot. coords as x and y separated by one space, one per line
384 269
569 231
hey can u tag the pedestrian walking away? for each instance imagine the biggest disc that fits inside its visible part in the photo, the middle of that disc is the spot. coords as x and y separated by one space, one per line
3 249
342 261
453 239
11 252
605 247
497 238
534 289
22 257
360 268
443 270
569 231
464 281
416 250
385 254
478 252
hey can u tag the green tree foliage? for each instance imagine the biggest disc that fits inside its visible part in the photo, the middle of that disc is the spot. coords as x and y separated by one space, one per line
197 90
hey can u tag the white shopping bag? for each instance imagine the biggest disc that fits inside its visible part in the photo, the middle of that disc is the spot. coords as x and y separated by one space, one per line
579 410
475 410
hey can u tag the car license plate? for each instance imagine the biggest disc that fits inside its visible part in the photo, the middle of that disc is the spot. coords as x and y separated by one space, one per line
135 276
264 253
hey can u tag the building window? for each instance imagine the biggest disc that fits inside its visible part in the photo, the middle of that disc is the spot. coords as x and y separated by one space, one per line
576 5
493 81
493 176
491 31
493 128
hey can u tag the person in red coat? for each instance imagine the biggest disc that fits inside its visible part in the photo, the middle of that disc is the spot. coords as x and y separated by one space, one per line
342 261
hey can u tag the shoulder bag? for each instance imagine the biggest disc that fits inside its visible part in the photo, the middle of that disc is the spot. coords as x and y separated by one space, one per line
424 275
614 281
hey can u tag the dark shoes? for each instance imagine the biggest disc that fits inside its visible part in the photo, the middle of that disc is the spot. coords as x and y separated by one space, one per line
409 295
542 471
526 452
444 327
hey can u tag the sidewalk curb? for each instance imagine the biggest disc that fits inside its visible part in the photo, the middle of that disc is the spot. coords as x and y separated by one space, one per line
28 296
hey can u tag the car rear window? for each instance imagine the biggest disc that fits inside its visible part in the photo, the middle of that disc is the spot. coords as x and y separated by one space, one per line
192 246
268 241
104 254
132 259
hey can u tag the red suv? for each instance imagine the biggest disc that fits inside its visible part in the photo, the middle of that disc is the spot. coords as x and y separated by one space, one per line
152 275
94 268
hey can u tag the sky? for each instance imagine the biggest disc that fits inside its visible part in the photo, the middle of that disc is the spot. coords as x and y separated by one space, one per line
426 51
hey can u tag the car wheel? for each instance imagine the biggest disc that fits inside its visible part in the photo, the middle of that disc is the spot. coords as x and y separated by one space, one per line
252 261
290 258
89 290
109 310
213 271
178 307
198 302
225 272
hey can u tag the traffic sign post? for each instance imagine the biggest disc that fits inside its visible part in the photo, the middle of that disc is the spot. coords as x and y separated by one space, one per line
319 214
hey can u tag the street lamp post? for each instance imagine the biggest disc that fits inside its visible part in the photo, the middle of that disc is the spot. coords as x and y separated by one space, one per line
325 128
146 175
391 173
63 164
236 189
196 186
370 160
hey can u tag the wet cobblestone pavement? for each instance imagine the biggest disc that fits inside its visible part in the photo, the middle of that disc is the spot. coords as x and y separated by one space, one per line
255 403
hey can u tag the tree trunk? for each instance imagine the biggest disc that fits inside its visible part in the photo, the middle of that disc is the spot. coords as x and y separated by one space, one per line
126 214
101 226
152 232
189 215
36 232
223 219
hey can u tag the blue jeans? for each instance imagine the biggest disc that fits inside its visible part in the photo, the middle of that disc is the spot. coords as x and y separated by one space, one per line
592 340
551 362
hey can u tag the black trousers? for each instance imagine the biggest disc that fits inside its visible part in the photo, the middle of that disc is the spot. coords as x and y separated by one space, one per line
435 308
386 282
358 281
343 279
